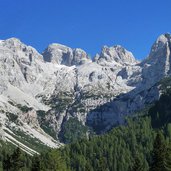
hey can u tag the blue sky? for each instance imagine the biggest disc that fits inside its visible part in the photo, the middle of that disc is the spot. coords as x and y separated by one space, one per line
87 24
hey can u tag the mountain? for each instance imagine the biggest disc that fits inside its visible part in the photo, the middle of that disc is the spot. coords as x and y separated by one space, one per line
64 55
43 96
141 144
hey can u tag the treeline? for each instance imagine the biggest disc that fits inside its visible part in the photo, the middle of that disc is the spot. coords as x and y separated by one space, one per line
103 153
143 144
17 160
136 147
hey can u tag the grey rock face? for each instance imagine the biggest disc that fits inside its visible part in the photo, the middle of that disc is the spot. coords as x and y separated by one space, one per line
64 83
64 55
144 76
158 63
115 55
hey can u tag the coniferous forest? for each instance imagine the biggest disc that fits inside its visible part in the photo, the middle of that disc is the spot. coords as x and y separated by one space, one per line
143 143
85 85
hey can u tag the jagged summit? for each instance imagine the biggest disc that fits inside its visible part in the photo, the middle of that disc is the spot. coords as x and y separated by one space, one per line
13 40
11 43
21 50
54 53
64 82
160 50
116 55
64 55
162 40
60 54
158 63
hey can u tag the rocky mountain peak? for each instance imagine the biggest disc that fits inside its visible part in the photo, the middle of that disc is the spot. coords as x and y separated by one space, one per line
13 41
99 92
60 54
116 55
56 53
158 64
13 44
161 42
20 51
80 57
160 51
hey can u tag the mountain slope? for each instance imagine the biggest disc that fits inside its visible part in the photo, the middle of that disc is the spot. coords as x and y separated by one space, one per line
39 93
120 148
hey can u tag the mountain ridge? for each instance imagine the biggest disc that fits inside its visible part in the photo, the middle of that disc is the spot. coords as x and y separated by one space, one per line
45 90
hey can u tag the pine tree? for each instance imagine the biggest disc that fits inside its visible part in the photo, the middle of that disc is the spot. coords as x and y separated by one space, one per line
35 164
159 153
13 162
17 161
137 164
6 163
168 159
52 161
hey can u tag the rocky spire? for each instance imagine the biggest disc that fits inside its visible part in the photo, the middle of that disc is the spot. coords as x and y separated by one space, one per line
161 42
158 63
